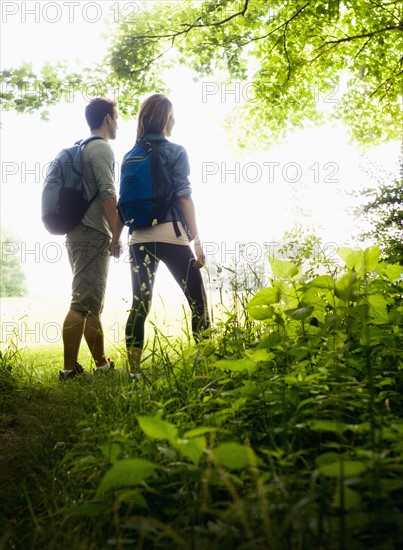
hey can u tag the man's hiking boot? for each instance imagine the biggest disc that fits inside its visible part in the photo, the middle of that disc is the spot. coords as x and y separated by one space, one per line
110 365
70 374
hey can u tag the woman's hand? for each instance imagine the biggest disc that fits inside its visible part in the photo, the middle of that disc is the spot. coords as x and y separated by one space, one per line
200 257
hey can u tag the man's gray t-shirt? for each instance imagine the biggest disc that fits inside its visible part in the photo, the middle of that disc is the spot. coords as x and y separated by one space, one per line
99 164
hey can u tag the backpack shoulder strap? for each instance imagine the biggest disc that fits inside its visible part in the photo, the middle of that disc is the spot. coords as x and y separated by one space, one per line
145 144
84 142
156 172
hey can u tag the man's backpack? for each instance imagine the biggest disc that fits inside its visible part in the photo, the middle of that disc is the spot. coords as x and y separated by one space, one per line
64 201
145 196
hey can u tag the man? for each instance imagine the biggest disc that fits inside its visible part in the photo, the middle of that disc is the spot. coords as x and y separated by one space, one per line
88 244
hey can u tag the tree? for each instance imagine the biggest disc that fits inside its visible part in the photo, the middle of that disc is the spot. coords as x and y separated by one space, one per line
295 60
12 276
383 212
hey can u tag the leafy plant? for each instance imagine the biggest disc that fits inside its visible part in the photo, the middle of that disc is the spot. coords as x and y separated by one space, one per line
291 439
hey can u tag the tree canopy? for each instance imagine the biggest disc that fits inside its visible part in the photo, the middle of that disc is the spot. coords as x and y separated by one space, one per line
293 61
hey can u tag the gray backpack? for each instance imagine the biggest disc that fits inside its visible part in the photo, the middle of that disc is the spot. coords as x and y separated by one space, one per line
64 202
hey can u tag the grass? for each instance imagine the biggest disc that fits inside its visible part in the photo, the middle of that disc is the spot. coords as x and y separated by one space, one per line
283 430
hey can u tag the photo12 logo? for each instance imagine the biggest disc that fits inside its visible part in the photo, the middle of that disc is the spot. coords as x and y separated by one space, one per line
36 252
255 252
68 12
245 92
269 172
36 332
50 332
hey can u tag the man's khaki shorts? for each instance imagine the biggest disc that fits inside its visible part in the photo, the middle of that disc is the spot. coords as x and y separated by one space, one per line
88 251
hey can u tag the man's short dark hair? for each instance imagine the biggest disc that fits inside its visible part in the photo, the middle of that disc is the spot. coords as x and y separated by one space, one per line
96 111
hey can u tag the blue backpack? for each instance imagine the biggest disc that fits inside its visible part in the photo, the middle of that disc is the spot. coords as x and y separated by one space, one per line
145 196
64 202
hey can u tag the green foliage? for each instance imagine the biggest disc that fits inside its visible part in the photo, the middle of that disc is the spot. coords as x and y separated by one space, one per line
283 431
125 473
12 276
26 91
7 380
383 211
293 62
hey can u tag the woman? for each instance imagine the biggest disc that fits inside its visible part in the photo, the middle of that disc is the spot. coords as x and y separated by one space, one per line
149 246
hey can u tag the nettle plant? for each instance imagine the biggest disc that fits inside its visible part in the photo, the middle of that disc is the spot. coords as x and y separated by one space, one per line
360 306
296 438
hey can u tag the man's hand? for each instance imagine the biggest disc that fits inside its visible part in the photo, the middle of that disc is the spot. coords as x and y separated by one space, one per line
115 248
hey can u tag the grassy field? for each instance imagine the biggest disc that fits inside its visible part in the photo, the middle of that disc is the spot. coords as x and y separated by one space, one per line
282 430
32 321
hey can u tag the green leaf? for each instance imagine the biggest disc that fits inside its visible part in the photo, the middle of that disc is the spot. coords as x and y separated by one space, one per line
328 426
361 261
290 380
343 468
233 455
346 497
192 448
285 270
371 258
248 389
390 485
299 313
265 296
236 365
196 432
133 497
111 450
378 308
156 428
261 313
260 355
322 281
126 473
259 307
345 254
393 272
327 458
354 259
347 287
371 336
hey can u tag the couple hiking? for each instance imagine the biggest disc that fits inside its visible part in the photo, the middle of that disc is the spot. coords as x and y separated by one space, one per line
96 238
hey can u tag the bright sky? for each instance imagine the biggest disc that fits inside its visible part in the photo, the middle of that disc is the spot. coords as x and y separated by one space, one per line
248 199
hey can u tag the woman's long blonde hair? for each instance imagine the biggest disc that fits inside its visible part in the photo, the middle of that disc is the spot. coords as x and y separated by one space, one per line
155 116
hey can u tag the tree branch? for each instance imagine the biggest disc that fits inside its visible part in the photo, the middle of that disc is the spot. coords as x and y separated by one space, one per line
282 37
363 47
285 23
191 26
338 41
286 54
394 75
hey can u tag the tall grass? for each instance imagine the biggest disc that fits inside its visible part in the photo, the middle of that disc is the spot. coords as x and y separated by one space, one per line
282 430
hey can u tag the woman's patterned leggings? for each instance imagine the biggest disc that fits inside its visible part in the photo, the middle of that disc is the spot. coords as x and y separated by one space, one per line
179 259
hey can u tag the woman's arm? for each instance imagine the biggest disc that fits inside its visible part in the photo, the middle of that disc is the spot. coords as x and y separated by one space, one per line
189 213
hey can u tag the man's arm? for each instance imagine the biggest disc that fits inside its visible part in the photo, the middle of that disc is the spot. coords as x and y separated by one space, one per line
102 162
115 247
109 206
103 169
